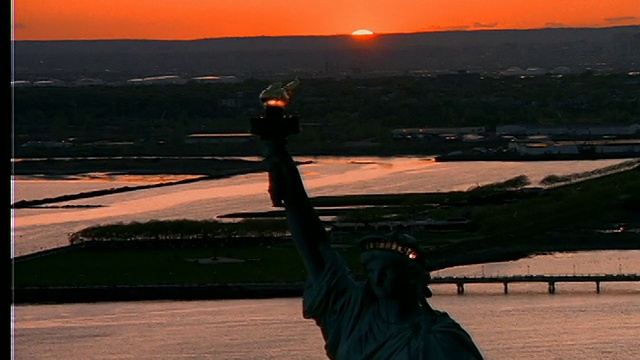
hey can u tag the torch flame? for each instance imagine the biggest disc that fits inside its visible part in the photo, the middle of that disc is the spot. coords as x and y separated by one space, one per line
276 102
278 95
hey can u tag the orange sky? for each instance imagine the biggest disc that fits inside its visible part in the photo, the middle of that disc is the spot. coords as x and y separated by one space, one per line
197 19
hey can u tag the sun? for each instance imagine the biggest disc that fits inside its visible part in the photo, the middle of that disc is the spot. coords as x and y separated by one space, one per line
362 32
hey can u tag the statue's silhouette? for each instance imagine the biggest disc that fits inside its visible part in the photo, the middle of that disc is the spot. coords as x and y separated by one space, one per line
387 316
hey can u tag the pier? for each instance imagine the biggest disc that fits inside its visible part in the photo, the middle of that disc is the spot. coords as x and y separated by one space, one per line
551 280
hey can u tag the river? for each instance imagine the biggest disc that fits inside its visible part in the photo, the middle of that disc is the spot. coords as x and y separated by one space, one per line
527 323
40 229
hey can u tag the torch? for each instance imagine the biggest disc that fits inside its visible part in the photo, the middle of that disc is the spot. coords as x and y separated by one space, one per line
274 126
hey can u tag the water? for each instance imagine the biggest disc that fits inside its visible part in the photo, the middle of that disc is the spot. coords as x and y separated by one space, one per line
40 229
528 323
567 325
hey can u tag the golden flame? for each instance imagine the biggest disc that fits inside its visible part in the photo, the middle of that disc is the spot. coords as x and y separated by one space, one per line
276 102
278 95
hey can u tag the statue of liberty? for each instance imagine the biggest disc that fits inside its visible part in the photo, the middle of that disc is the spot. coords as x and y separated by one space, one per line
387 316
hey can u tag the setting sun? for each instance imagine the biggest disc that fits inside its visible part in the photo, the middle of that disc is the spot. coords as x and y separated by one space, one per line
362 32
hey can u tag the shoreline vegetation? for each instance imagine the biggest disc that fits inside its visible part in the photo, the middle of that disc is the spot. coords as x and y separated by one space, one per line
254 258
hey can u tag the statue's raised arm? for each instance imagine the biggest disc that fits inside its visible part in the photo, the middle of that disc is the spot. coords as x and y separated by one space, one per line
286 187
287 190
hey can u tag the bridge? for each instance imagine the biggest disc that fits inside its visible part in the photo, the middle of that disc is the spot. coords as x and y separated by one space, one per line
551 280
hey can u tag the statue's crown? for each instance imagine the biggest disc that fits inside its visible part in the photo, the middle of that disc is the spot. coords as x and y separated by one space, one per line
400 243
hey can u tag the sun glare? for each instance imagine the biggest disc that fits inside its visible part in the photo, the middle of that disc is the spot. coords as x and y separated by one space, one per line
362 32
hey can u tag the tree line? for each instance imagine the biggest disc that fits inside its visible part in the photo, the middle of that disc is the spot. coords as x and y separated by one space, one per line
331 110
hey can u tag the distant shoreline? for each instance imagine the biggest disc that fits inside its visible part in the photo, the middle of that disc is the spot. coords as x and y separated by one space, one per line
544 157
223 291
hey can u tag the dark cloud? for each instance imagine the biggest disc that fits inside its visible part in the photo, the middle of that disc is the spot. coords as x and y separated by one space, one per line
554 25
446 28
621 19
481 25
456 28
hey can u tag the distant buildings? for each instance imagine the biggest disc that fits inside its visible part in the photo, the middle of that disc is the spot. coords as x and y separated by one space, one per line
549 147
51 82
530 71
445 133
165 79
571 140
216 79
216 139
535 140
88 82
573 130
151 80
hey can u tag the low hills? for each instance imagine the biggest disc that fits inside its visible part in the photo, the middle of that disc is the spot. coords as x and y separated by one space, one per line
579 49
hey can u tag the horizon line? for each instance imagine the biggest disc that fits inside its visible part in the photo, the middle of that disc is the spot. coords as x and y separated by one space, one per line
346 34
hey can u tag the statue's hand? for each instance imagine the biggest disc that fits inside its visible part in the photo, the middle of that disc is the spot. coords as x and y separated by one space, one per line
277 159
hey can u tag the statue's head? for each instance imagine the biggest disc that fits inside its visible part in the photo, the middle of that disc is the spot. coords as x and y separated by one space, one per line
395 266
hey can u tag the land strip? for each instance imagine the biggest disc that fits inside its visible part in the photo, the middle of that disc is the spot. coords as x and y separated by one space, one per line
594 214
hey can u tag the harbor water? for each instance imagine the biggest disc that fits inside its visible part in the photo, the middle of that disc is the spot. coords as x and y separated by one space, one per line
528 323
